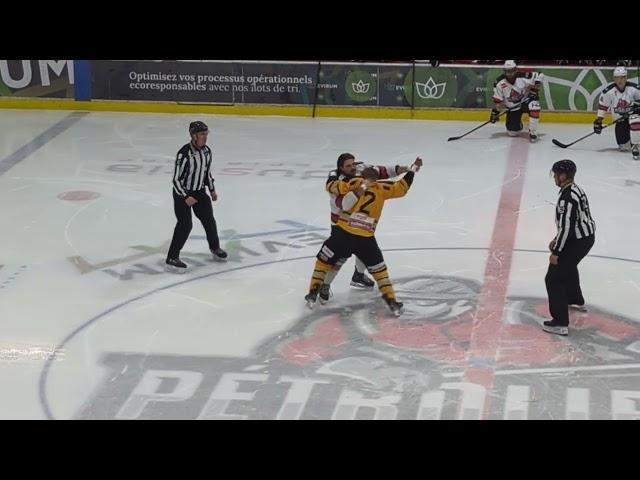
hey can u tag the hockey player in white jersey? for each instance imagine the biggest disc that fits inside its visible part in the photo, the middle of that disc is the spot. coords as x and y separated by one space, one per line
337 187
517 92
623 99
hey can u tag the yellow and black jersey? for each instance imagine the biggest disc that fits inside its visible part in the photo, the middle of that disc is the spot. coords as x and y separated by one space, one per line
339 185
360 216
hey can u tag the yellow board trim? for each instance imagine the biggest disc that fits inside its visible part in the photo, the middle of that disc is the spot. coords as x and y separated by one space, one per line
277 110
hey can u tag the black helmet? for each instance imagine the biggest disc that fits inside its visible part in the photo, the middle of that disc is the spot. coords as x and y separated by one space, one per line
565 166
198 126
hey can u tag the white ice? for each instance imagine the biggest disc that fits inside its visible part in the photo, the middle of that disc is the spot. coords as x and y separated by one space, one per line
270 171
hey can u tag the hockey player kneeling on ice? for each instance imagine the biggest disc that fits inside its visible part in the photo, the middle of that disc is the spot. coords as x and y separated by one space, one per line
355 229
623 99
517 92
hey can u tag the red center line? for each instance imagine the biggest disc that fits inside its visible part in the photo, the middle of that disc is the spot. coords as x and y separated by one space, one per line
488 320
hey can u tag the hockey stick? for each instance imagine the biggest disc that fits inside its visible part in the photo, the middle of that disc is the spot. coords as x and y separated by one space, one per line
485 123
562 145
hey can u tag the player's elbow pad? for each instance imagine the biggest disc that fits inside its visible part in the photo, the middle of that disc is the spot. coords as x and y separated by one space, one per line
408 177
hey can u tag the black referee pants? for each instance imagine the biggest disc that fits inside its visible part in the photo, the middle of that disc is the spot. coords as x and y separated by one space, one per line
204 212
563 280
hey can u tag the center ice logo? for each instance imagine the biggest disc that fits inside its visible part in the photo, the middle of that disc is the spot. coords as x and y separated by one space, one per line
355 361
437 328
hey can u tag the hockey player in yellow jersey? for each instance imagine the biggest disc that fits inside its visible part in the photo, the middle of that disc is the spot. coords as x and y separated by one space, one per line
337 186
362 208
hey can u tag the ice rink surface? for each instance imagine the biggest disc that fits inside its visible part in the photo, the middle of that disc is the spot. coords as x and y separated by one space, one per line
94 327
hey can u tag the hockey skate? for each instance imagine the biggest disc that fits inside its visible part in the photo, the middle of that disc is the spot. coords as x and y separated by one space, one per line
175 265
579 308
394 306
361 280
311 297
219 255
551 326
325 293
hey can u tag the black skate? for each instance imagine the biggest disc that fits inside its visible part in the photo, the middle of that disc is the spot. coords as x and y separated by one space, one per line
176 265
311 297
325 293
219 254
533 138
551 326
361 280
394 306
635 151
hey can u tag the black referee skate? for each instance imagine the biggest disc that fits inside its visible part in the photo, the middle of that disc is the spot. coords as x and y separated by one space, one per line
311 297
394 306
325 293
176 265
361 280
635 151
219 254
551 326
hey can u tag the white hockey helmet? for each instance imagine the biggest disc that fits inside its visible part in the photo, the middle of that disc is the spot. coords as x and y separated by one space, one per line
620 72
510 65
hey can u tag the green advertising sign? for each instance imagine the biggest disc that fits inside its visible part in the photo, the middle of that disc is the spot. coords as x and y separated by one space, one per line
431 87
563 89
566 89
400 85
4 90
575 89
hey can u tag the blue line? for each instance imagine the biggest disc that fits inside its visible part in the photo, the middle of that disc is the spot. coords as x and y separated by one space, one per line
42 384
82 74
41 140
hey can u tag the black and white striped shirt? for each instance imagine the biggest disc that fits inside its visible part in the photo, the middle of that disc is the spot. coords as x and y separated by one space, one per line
573 217
193 170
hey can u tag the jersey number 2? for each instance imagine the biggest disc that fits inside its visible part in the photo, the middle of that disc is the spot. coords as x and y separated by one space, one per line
371 197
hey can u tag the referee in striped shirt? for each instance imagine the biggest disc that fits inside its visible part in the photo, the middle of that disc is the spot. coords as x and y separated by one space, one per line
576 236
192 173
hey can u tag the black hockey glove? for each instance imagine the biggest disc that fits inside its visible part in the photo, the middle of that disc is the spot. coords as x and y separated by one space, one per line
597 125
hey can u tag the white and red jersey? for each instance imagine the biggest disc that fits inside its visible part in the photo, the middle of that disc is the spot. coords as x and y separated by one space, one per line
335 200
512 94
619 102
